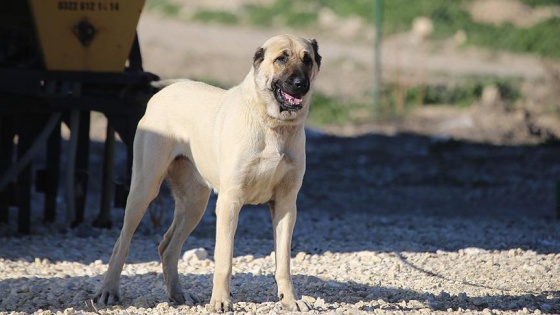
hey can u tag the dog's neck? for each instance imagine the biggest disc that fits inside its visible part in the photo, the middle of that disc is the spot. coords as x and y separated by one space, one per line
249 95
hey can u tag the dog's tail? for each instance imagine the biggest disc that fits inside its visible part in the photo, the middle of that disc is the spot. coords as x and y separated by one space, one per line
163 83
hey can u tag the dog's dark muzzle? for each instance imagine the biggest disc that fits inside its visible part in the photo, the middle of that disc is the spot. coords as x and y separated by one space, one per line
289 93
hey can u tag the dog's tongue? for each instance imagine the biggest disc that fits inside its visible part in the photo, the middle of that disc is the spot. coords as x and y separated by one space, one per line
291 99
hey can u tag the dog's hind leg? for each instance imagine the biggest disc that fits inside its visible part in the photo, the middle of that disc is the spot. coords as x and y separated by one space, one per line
191 198
152 157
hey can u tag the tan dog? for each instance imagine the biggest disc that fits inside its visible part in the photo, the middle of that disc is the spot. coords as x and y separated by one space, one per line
246 143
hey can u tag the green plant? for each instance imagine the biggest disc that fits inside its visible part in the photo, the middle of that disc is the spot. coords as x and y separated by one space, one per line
450 16
222 17
398 99
361 8
399 14
326 110
291 13
535 3
166 7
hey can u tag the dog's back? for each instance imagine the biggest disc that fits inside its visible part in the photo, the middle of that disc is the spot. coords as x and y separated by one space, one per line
184 96
183 114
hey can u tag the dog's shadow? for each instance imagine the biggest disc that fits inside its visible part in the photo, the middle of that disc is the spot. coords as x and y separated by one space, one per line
147 291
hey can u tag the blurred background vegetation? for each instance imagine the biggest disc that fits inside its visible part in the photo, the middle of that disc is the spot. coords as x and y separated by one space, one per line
447 17
532 30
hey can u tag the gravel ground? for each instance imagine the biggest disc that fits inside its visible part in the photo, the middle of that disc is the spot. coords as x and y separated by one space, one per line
357 263
387 224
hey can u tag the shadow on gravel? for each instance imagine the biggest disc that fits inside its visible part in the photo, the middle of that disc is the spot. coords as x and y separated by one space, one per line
385 193
316 232
147 291
404 173
414 174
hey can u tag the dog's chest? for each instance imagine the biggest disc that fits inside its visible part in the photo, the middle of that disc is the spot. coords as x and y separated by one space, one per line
265 171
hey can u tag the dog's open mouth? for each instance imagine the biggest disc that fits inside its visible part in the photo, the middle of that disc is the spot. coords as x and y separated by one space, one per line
287 101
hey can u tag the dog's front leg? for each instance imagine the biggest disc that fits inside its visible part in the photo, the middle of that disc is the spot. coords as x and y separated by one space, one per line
227 211
283 220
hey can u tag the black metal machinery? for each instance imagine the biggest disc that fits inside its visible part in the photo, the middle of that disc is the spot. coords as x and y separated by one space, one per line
35 100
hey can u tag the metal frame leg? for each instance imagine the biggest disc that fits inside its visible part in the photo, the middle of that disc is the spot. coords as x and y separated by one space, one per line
104 218
6 152
82 167
52 171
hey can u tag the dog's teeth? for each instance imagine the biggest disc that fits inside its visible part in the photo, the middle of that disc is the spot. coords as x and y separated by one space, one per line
291 99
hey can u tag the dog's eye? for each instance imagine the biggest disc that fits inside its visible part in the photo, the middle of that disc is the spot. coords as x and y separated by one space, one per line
307 60
281 59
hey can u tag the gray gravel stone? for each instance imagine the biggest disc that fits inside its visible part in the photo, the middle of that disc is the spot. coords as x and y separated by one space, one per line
197 253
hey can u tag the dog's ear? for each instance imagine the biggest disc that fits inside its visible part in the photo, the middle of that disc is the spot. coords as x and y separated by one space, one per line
258 58
316 53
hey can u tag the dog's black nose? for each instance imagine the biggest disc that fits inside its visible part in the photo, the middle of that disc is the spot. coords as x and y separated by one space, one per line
300 83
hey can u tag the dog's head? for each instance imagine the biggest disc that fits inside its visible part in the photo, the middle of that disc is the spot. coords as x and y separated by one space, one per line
284 69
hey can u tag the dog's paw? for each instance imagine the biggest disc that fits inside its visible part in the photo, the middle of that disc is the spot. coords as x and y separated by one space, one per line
220 305
296 306
105 297
187 299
